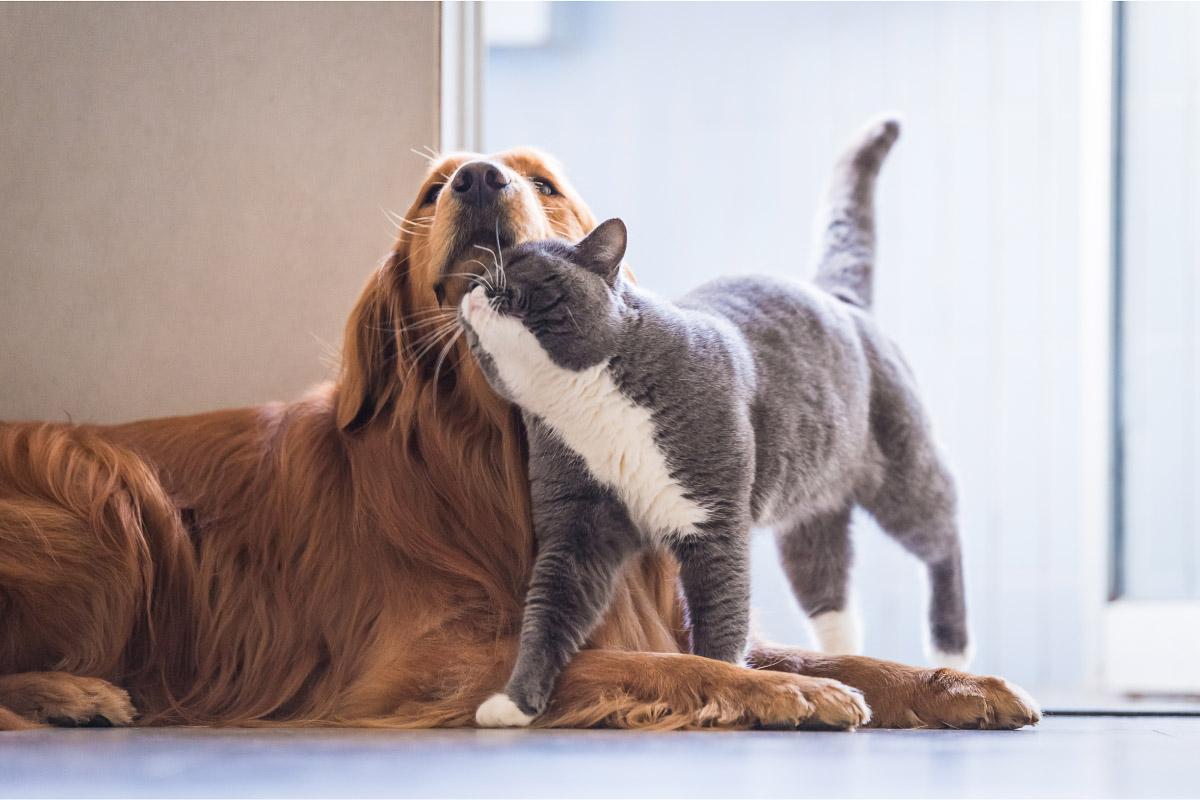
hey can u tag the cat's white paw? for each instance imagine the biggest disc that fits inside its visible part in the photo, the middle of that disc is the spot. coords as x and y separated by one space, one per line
838 632
959 661
498 711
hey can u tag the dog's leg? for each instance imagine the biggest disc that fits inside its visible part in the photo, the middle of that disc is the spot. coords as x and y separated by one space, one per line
901 696
94 566
677 691
58 698
817 556
12 721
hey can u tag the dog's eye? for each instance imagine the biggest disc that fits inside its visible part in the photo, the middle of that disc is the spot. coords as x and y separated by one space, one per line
544 186
432 195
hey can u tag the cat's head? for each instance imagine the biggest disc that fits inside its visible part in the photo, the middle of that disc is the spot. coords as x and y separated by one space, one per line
552 302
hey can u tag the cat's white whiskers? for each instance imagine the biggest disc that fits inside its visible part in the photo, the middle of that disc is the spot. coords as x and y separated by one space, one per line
487 270
500 257
573 322
478 280
487 249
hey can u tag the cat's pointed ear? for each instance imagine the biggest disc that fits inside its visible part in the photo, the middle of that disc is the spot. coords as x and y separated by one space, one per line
601 250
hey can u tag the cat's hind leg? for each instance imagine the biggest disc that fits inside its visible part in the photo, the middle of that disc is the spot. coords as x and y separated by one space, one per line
917 510
915 503
817 557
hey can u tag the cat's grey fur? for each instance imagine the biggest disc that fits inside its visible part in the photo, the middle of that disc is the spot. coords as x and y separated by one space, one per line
774 403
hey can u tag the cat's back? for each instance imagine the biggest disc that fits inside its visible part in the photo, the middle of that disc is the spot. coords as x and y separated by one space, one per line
776 314
812 386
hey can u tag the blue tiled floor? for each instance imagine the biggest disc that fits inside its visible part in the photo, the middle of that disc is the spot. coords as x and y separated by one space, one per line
1063 757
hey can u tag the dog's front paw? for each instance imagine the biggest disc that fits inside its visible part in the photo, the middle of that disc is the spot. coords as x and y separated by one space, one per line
836 706
499 711
780 700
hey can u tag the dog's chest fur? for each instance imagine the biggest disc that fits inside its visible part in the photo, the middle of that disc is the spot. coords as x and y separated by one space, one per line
587 410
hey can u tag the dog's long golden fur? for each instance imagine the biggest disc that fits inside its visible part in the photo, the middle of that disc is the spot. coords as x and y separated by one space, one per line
358 556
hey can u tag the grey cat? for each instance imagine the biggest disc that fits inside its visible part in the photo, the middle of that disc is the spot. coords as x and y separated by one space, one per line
750 402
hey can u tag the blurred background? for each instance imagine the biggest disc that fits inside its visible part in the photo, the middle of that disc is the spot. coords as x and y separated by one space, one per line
192 198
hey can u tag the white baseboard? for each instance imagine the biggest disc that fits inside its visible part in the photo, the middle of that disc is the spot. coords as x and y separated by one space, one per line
1152 647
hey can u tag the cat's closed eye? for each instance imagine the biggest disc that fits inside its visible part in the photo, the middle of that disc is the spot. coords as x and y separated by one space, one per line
511 300
539 300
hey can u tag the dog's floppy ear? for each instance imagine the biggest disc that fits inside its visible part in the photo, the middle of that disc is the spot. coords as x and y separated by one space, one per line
369 375
601 250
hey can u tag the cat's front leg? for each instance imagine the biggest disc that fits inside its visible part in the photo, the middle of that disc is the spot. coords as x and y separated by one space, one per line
584 536
715 572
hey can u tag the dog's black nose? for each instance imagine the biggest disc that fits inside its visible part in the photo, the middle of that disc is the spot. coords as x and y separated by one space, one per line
478 182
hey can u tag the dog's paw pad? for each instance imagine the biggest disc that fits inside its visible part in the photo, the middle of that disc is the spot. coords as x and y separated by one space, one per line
499 711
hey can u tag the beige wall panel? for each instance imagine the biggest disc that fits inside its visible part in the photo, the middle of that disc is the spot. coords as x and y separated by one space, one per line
191 195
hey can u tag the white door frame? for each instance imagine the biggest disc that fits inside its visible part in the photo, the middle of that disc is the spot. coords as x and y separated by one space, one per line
1096 304
462 63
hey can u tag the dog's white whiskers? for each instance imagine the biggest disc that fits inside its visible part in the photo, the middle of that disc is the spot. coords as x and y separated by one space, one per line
427 323
437 367
428 312
428 343
435 322
425 348
405 225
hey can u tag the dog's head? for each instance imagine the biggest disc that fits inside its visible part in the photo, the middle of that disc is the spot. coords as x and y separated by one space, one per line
467 209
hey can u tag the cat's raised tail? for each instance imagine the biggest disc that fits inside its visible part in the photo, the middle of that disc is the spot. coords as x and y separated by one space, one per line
845 234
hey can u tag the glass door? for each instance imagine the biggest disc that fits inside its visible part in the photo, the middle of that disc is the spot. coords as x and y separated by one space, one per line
1154 633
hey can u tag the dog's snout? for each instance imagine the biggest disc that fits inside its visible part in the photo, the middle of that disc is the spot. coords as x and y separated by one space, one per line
478 183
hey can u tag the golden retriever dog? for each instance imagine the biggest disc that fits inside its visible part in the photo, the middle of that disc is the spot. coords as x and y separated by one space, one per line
358 557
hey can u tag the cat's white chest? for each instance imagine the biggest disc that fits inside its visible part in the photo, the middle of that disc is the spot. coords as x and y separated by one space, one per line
612 434
615 438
